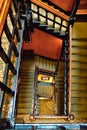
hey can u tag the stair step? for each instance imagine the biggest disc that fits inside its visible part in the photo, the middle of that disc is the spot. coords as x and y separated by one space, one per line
25 90
25 100
25 87
56 32
36 22
46 107
24 111
27 77
43 25
25 105
62 34
46 91
25 95
50 29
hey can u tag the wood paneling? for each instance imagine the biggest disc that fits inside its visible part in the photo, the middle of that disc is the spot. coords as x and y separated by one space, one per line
83 4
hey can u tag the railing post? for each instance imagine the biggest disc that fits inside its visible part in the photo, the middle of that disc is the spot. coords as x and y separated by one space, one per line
5 88
11 40
66 77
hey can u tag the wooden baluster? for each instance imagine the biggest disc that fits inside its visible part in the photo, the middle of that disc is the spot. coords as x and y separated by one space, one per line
14 21
15 5
10 38
5 88
66 79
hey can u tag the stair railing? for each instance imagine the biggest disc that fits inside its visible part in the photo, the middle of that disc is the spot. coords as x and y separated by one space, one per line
11 33
32 116
61 21
62 24
50 9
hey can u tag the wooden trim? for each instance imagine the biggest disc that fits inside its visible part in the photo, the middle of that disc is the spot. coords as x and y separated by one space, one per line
35 82
1 4
7 89
81 12
50 9
3 14
51 117
6 59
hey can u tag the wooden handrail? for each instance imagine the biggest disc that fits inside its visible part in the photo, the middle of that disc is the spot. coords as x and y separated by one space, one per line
81 12
3 13
50 9
1 4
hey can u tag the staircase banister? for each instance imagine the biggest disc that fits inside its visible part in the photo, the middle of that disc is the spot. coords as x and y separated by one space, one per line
74 10
3 13
1 4
34 100
50 9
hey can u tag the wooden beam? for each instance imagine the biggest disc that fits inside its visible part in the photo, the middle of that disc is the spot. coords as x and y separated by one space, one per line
7 60
3 14
5 88
11 39
81 12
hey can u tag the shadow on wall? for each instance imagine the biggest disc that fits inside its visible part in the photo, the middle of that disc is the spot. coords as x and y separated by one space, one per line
44 44
83 127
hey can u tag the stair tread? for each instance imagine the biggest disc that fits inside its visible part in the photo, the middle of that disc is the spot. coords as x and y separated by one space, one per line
43 25
25 105
24 111
25 90
36 21
25 95
25 100
49 29
56 31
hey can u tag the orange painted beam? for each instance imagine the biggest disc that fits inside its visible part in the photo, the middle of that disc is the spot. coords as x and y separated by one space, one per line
4 7
1 4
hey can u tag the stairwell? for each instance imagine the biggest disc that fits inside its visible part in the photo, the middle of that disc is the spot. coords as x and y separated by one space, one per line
45 91
26 87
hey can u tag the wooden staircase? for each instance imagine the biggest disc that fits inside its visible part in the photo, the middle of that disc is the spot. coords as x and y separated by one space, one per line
26 88
10 50
47 21
48 17
45 91
25 93
79 70
45 95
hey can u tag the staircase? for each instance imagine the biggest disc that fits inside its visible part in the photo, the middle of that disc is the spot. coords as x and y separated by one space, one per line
52 96
26 87
45 91
79 70
45 95
48 21
47 17
25 92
